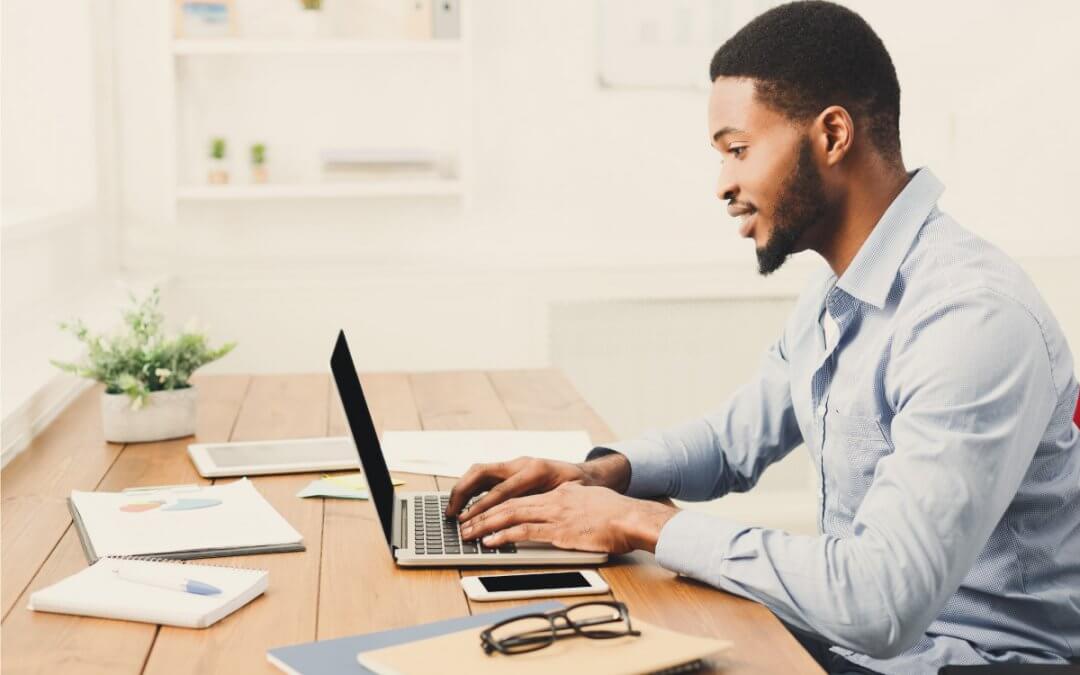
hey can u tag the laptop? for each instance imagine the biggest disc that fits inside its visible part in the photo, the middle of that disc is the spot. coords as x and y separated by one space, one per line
418 533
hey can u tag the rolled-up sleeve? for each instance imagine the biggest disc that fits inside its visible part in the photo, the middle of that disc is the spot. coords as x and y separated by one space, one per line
971 383
722 452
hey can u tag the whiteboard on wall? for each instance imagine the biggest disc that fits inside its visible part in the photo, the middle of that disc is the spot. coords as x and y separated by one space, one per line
665 45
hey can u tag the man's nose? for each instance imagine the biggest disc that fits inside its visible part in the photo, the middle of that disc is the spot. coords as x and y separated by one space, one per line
726 189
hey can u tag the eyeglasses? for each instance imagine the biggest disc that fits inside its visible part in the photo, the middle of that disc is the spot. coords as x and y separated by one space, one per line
528 633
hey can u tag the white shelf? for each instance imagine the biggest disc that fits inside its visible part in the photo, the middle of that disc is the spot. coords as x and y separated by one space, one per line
386 188
227 46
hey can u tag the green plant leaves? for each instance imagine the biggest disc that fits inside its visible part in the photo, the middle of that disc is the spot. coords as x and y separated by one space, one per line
141 359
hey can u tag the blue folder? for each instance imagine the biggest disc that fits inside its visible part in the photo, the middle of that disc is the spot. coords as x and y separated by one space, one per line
332 657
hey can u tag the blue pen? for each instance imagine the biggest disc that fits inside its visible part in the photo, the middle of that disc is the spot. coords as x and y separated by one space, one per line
170 582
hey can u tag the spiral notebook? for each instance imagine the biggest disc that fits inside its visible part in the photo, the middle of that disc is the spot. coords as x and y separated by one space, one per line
100 592
181 522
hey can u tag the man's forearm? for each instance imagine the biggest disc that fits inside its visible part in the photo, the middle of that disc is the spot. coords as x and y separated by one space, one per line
611 470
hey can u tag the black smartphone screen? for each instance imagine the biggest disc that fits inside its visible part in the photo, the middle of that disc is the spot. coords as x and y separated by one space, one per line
534 582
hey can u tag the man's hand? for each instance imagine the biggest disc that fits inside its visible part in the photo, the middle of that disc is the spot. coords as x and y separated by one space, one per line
528 476
573 516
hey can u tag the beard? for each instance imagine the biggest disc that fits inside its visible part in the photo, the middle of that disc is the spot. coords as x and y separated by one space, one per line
801 205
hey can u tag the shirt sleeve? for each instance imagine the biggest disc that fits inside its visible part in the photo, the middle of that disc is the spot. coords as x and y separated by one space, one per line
972 387
722 452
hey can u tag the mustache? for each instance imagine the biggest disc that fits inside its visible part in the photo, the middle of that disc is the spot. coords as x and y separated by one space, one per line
736 209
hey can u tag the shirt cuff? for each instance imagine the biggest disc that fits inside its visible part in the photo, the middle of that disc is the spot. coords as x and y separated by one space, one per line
650 469
696 544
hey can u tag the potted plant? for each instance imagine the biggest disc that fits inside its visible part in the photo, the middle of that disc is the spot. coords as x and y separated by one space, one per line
310 19
148 396
219 170
258 163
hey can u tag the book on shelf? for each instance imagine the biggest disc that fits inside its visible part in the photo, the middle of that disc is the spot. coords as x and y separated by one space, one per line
363 164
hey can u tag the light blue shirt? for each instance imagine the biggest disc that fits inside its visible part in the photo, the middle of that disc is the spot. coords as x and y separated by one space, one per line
939 422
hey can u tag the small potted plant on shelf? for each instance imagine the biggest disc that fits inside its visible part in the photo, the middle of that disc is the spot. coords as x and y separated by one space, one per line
258 163
219 171
310 20
148 395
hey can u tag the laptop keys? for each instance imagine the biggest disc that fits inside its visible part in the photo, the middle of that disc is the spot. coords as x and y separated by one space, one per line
437 535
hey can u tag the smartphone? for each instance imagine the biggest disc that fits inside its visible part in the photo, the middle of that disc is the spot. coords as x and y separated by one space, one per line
533 585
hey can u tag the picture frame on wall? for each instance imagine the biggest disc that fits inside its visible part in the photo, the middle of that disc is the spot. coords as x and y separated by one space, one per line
204 18
643 44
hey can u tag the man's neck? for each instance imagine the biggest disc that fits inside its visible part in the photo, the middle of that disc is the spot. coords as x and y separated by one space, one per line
866 201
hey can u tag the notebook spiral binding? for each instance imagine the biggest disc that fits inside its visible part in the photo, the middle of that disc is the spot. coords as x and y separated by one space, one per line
174 561
689 667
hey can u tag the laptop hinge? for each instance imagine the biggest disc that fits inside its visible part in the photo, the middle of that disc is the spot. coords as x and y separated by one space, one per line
397 516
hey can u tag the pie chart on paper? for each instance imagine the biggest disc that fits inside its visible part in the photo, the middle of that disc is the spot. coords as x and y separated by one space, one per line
178 505
191 504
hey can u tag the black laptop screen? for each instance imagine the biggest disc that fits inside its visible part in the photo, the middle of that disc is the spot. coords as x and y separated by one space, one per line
363 432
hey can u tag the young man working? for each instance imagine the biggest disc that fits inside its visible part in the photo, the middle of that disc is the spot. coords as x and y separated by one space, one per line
928 380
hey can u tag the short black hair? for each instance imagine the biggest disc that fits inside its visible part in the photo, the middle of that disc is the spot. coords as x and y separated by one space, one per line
806 56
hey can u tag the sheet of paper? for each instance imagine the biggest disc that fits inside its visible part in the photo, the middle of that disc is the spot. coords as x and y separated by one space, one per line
451 453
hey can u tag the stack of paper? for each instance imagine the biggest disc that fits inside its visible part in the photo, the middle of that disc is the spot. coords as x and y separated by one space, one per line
199 522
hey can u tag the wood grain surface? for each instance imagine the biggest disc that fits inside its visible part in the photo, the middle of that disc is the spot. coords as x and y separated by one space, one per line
345 582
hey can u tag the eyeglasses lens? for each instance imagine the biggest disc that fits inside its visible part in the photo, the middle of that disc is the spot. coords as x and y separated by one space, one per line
524 635
598 621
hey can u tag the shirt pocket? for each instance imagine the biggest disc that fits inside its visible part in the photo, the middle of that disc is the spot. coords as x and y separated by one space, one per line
853 447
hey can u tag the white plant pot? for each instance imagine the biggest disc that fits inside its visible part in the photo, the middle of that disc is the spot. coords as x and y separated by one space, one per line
166 414
309 23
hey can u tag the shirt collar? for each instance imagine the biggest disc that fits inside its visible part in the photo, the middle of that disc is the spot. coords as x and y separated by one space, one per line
871 273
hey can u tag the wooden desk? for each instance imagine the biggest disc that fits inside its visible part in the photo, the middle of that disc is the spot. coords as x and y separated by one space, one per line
344 583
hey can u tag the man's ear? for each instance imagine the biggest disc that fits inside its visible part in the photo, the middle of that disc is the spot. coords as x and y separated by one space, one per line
835 133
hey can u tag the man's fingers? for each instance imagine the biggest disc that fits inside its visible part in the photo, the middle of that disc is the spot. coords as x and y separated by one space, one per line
478 478
514 486
512 512
521 532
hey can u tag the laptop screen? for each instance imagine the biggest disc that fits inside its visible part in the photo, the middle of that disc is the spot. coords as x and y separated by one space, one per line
363 432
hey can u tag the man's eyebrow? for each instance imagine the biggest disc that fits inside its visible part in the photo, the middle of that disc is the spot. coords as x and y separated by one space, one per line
724 131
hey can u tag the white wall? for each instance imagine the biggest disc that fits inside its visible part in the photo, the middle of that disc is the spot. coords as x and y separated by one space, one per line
49 149
988 94
569 179
57 238
568 173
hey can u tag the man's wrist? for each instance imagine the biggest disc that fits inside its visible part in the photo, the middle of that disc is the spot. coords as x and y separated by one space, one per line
611 471
642 523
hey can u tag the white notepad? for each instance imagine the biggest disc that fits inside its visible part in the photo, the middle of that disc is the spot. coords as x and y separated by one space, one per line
215 520
98 591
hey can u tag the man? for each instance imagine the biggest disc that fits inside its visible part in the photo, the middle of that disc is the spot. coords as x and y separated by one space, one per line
927 378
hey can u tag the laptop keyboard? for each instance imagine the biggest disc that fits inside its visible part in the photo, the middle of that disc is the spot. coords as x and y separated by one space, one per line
435 534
